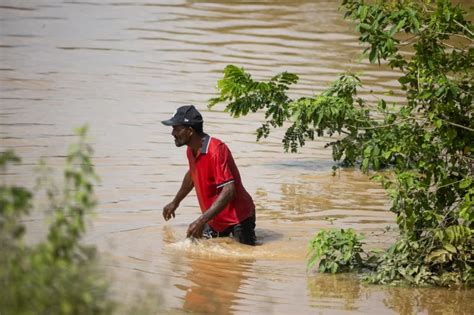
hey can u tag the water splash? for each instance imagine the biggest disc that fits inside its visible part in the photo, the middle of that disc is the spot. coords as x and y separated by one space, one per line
226 247
221 247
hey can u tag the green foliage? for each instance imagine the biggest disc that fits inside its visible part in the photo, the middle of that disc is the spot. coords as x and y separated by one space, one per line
57 275
411 262
245 95
335 251
14 202
427 140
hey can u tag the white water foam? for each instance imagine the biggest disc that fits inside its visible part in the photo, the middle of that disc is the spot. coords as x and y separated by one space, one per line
226 247
221 247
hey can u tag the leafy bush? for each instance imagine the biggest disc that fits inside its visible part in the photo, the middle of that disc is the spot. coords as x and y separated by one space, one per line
335 251
57 275
427 140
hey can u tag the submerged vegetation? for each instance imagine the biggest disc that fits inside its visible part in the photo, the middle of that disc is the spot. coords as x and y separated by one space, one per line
57 275
427 141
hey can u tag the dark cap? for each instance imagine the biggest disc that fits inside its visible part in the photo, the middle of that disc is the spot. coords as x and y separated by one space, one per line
184 115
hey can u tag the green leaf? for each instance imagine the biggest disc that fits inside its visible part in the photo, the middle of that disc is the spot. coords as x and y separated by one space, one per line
373 54
400 24
450 248
365 26
363 13
465 183
437 255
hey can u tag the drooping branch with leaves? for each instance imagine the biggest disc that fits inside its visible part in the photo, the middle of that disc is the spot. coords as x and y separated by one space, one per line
427 141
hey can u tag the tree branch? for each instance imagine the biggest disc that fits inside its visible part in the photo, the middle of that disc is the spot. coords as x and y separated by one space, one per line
468 30
457 125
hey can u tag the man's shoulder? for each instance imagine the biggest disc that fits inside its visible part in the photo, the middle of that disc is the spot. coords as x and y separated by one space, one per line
216 142
216 145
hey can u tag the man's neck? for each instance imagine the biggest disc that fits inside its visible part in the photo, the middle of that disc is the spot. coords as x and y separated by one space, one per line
196 143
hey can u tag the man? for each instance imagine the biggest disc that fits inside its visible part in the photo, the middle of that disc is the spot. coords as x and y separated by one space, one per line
227 208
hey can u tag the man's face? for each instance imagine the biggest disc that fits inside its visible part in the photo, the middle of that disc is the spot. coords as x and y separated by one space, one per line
182 135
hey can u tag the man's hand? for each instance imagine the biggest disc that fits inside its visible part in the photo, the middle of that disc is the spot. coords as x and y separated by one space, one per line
186 187
195 229
168 210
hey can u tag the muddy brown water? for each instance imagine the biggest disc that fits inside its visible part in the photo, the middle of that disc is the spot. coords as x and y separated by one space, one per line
122 67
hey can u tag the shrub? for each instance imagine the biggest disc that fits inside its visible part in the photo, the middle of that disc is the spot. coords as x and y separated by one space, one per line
335 250
58 275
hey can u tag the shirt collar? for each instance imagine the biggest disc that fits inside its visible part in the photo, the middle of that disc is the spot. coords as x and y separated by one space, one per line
205 144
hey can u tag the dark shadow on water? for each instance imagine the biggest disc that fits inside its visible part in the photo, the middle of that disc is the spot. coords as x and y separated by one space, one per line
307 165
266 236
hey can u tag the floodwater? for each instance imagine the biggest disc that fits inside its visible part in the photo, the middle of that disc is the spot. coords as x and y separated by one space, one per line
122 67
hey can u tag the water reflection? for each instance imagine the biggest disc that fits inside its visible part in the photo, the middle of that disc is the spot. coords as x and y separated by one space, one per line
214 285
214 272
329 291
407 301
346 292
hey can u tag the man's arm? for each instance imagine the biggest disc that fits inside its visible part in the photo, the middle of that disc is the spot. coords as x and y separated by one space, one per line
227 194
186 186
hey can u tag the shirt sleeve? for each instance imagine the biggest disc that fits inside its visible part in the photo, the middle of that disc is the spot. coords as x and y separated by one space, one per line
222 164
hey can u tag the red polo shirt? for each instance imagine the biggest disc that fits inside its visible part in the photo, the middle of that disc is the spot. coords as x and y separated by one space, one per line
212 169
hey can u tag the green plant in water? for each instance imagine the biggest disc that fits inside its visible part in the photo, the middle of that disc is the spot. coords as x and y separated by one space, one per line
335 250
427 140
57 275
